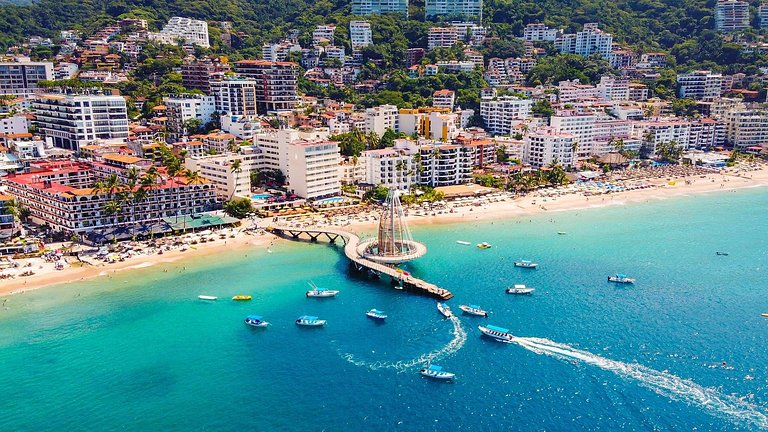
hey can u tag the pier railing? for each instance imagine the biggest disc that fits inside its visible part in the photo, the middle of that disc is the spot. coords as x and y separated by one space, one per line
351 243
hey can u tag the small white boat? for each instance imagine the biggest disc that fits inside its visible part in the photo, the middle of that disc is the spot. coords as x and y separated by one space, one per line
473 310
620 278
437 372
320 292
498 333
256 321
376 314
484 245
207 297
310 321
462 242
526 264
520 289
561 233
444 309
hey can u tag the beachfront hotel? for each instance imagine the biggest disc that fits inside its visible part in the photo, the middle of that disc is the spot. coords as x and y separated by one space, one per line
61 195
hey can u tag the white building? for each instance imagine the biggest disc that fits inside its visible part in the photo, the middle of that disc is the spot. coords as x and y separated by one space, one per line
445 164
242 127
442 37
546 146
501 113
360 34
731 15
746 128
572 91
540 32
323 34
443 99
581 126
69 121
181 108
187 30
655 132
470 33
14 125
379 119
235 96
372 7
591 40
394 167
313 168
20 78
463 9
219 170
699 84
65 71
613 88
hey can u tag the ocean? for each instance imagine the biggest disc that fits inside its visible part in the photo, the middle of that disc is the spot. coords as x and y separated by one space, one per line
682 349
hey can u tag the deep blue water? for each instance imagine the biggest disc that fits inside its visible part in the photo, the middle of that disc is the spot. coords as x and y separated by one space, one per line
139 352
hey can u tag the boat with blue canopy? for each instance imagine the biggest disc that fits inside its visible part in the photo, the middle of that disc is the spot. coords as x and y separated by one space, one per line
437 372
473 310
497 333
256 321
310 321
320 292
621 278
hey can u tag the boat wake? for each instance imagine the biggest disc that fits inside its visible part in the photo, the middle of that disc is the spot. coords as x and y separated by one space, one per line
459 338
727 406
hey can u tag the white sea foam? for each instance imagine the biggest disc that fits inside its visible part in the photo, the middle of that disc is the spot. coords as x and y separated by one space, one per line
459 338
728 406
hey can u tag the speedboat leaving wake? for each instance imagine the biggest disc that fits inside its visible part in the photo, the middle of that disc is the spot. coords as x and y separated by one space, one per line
727 406
459 338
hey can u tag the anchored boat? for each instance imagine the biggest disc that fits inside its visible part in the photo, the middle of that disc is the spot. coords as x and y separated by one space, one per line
620 278
256 321
310 321
376 314
526 264
484 245
462 242
497 333
320 292
241 297
473 310
207 297
437 372
520 289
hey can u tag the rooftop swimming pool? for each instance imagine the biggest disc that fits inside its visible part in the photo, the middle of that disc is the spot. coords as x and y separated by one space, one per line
331 200
261 196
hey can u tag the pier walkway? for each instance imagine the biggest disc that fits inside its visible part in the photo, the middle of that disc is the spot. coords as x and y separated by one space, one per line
351 243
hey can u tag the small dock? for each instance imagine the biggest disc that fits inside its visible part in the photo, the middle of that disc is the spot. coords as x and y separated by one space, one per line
351 242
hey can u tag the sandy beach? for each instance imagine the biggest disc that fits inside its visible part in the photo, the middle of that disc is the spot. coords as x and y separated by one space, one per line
498 206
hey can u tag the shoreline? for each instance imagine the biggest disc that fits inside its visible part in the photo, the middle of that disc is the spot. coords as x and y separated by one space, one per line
535 203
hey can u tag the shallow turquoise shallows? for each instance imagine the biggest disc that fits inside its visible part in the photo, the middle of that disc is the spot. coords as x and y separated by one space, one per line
684 348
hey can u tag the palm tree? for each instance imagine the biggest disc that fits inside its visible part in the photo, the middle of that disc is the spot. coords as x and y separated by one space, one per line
235 167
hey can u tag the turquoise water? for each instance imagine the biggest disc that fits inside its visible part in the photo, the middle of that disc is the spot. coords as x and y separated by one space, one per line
331 200
138 351
261 196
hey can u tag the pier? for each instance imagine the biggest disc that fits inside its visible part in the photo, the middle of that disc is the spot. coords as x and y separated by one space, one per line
362 262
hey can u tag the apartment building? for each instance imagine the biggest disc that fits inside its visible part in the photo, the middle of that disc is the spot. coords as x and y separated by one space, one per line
395 167
59 194
360 34
379 7
442 37
501 113
323 34
20 78
613 88
69 121
379 119
581 126
445 164
454 9
540 32
731 15
762 13
277 83
218 169
181 108
591 40
699 84
198 74
313 168
444 99
574 91
235 96
746 127
187 30
655 132
279 51
546 146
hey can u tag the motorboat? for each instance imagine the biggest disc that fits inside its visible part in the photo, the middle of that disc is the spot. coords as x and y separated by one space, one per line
444 309
764 315
207 297
241 297
561 233
498 333
320 292
462 242
620 278
437 372
310 321
722 253
255 321
484 245
520 289
526 264
473 310
376 314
